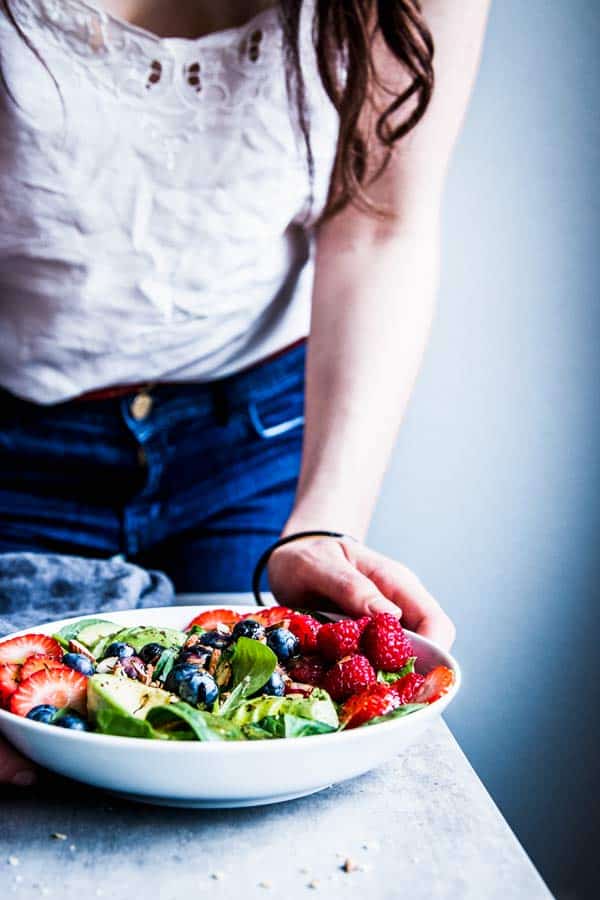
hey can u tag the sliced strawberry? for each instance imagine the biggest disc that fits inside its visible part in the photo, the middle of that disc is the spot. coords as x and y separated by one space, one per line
9 682
376 700
61 687
37 662
18 649
407 686
213 617
437 682
270 615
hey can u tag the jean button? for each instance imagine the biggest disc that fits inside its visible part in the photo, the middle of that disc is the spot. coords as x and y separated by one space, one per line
141 406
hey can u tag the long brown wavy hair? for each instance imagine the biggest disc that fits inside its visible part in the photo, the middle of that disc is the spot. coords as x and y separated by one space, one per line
345 34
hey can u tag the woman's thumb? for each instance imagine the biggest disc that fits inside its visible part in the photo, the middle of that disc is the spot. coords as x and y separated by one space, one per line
353 592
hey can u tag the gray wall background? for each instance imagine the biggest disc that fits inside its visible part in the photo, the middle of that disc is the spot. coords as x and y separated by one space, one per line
493 495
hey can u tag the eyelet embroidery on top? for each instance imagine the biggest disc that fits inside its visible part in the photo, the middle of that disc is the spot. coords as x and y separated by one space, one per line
155 73
135 64
193 76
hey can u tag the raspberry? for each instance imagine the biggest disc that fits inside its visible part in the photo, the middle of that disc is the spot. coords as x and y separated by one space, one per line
385 644
348 676
307 670
338 639
362 623
406 687
306 629
376 700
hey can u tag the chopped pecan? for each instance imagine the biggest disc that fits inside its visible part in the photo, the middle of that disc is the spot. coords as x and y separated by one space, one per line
76 647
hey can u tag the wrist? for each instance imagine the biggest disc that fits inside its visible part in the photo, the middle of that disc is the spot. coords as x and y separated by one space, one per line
323 515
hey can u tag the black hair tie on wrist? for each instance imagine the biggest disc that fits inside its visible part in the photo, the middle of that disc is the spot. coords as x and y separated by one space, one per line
296 536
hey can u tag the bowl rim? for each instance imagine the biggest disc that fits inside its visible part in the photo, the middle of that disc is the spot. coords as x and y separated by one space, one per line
349 736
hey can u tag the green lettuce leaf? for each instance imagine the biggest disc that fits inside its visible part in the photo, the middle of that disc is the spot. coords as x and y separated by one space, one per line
391 677
255 733
318 707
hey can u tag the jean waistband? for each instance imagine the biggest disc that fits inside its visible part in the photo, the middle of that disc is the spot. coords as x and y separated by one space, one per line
263 374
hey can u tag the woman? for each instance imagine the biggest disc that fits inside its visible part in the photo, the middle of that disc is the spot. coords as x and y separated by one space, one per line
182 187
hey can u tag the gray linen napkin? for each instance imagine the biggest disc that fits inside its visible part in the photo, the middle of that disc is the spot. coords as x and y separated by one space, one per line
37 587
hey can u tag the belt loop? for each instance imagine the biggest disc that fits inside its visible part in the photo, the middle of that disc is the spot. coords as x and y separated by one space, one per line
220 403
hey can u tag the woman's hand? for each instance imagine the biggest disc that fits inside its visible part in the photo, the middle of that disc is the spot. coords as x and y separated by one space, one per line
14 769
359 581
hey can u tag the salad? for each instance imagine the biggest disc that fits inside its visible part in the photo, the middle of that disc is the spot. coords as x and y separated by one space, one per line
269 674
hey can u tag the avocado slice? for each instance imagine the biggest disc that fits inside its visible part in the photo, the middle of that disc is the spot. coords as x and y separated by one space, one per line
86 631
140 635
119 705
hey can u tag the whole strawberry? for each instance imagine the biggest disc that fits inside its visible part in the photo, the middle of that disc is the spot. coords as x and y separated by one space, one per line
306 628
385 644
307 670
406 687
338 639
376 700
348 676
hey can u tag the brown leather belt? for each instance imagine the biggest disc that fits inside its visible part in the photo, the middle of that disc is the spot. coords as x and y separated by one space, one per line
121 390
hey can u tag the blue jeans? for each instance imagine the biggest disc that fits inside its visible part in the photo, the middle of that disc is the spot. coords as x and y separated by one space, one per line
194 479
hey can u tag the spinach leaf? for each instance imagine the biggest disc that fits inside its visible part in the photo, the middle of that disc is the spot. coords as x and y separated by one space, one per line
253 663
237 696
203 725
288 726
391 677
405 710
165 663
112 721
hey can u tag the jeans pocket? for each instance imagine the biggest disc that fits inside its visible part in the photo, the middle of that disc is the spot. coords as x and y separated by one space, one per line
277 415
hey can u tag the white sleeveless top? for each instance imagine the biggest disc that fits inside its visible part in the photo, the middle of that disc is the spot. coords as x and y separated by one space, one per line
157 225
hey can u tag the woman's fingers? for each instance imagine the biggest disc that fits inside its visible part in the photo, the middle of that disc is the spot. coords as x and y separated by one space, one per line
325 571
420 610
358 581
14 769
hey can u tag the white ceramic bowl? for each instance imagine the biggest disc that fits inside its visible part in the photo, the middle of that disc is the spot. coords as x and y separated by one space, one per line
220 774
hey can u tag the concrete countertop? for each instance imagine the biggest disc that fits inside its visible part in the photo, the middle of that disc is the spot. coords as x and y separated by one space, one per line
422 827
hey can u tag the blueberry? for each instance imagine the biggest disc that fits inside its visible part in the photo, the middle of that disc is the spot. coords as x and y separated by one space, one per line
179 673
150 653
73 722
275 686
192 684
248 628
119 649
79 662
283 643
43 713
215 639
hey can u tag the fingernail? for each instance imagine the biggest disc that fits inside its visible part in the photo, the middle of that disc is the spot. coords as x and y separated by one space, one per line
384 606
24 779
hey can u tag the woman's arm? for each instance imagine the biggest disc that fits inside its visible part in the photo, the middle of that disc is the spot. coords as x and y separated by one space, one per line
372 307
